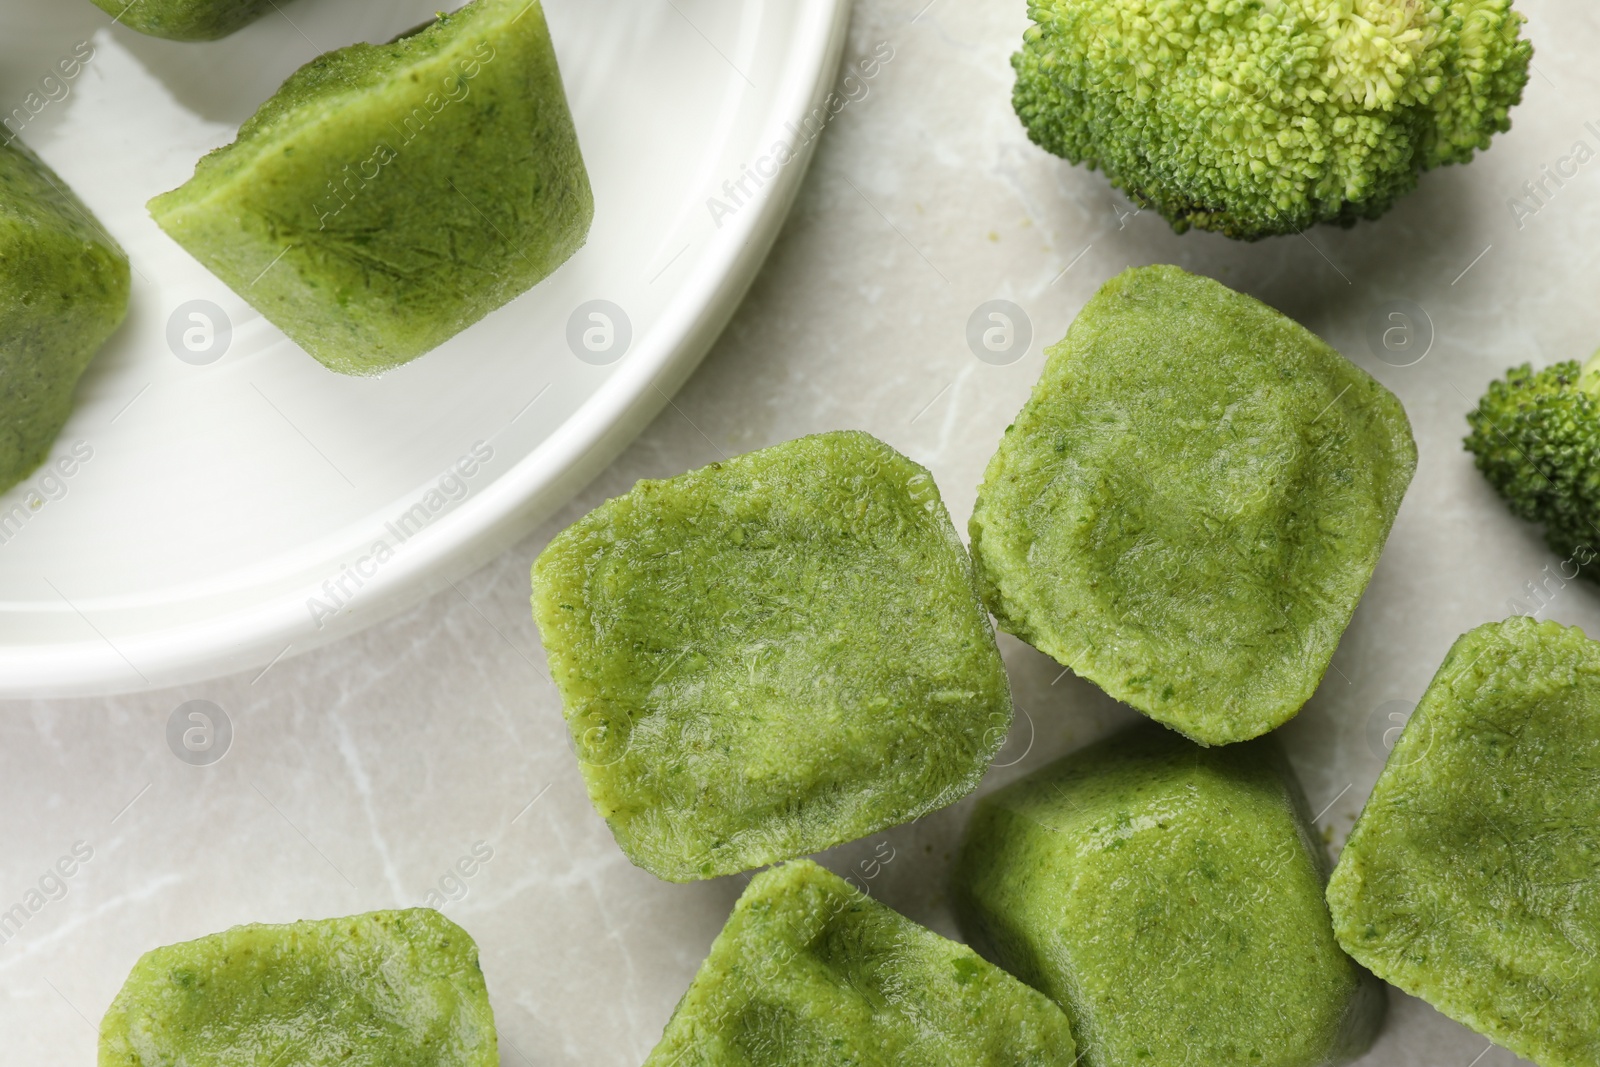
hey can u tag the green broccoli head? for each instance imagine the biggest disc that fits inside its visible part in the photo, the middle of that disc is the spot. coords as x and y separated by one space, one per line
1536 437
1261 117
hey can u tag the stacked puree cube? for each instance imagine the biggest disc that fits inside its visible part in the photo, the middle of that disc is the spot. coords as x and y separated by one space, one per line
1472 879
771 655
1170 899
390 196
1188 508
811 971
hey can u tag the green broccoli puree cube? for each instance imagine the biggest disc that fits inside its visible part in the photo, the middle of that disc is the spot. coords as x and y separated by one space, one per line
1472 879
390 196
63 291
771 655
186 20
1191 503
385 989
812 971
1169 897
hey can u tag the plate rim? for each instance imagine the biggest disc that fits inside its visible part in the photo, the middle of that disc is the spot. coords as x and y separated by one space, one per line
490 521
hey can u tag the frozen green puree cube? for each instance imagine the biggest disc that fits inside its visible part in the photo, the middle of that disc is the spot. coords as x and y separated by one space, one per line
811 971
186 20
385 989
1169 897
1472 879
771 655
389 196
1191 503
63 291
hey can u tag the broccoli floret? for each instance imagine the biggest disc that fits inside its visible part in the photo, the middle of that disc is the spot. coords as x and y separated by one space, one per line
1536 437
1261 117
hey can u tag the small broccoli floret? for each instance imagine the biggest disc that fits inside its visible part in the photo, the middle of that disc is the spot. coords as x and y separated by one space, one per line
1536 437
1261 117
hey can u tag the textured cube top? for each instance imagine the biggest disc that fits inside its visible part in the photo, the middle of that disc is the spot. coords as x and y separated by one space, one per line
1169 897
1472 879
771 655
385 989
811 971
1191 503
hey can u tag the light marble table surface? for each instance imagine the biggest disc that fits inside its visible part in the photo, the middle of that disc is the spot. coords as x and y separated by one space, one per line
358 775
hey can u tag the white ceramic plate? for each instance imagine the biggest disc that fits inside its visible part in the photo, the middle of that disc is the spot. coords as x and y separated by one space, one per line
235 511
